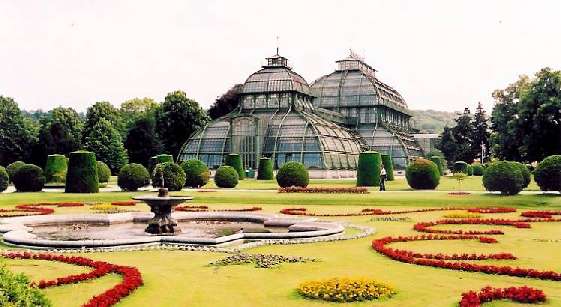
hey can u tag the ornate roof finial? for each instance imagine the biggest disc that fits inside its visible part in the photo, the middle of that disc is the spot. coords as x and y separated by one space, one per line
355 55
277 45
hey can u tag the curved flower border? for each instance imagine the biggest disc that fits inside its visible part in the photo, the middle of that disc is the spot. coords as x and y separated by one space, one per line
516 294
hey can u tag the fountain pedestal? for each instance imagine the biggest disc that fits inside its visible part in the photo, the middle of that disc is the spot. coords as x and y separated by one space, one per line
162 205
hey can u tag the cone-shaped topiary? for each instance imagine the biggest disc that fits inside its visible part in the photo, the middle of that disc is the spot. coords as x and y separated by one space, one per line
29 178
460 167
439 163
55 168
82 173
4 179
548 174
12 168
388 165
477 169
196 173
132 177
503 176
369 167
226 177
173 174
422 174
265 171
293 174
235 161
103 172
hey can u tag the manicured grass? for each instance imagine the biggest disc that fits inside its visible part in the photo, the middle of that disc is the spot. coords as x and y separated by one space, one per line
174 278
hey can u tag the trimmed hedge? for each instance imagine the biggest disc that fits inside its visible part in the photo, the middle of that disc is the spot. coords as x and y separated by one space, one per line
103 172
235 161
29 178
4 179
369 167
548 174
503 176
18 291
265 169
422 174
293 174
525 173
82 173
196 173
174 176
155 160
461 167
132 177
55 168
478 169
388 165
12 168
226 177
439 164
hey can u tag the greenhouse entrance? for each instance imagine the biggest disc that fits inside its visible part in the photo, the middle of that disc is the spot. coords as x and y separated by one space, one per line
245 140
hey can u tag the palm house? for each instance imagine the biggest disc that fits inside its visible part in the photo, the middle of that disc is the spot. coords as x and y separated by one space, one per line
368 106
276 118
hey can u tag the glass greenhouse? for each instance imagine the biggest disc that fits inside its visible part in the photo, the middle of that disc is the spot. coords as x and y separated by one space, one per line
276 119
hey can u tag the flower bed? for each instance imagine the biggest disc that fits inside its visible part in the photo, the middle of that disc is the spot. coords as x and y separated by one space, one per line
128 203
492 210
516 294
547 214
132 278
425 226
462 216
36 209
367 211
351 190
260 260
206 209
345 289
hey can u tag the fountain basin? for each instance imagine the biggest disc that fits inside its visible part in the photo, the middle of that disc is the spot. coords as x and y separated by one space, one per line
162 205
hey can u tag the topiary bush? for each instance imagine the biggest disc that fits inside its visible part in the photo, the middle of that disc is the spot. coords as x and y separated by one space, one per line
13 168
18 291
388 165
132 177
548 173
103 172
503 176
173 174
235 161
477 169
525 173
155 160
82 173
293 174
55 168
368 171
226 177
460 167
196 173
469 170
422 174
4 179
439 164
29 178
265 169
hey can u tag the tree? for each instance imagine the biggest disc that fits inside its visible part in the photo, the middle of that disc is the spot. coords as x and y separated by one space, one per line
135 109
225 103
15 135
105 141
142 141
105 110
480 134
177 119
60 133
447 145
462 133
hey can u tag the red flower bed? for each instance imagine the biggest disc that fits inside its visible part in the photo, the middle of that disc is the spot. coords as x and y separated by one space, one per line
206 209
516 294
367 211
132 278
425 226
128 203
351 190
38 208
492 210
540 214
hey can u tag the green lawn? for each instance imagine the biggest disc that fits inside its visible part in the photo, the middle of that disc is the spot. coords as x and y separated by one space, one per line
174 278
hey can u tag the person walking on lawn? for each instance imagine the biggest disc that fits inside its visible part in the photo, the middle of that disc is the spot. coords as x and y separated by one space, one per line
383 176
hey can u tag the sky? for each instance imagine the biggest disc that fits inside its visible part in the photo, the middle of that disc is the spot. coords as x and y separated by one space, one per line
441 55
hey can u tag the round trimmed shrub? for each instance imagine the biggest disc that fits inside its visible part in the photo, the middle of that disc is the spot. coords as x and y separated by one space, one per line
477 169
460 167
525 173
368 171
226 177
12 168
103 172
29 178
155 160
388 165
503 176
439 163
173 174
4 179
265 169
196 173
132 177
55 168
82 173
235 161
422 174
293 174
548 174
